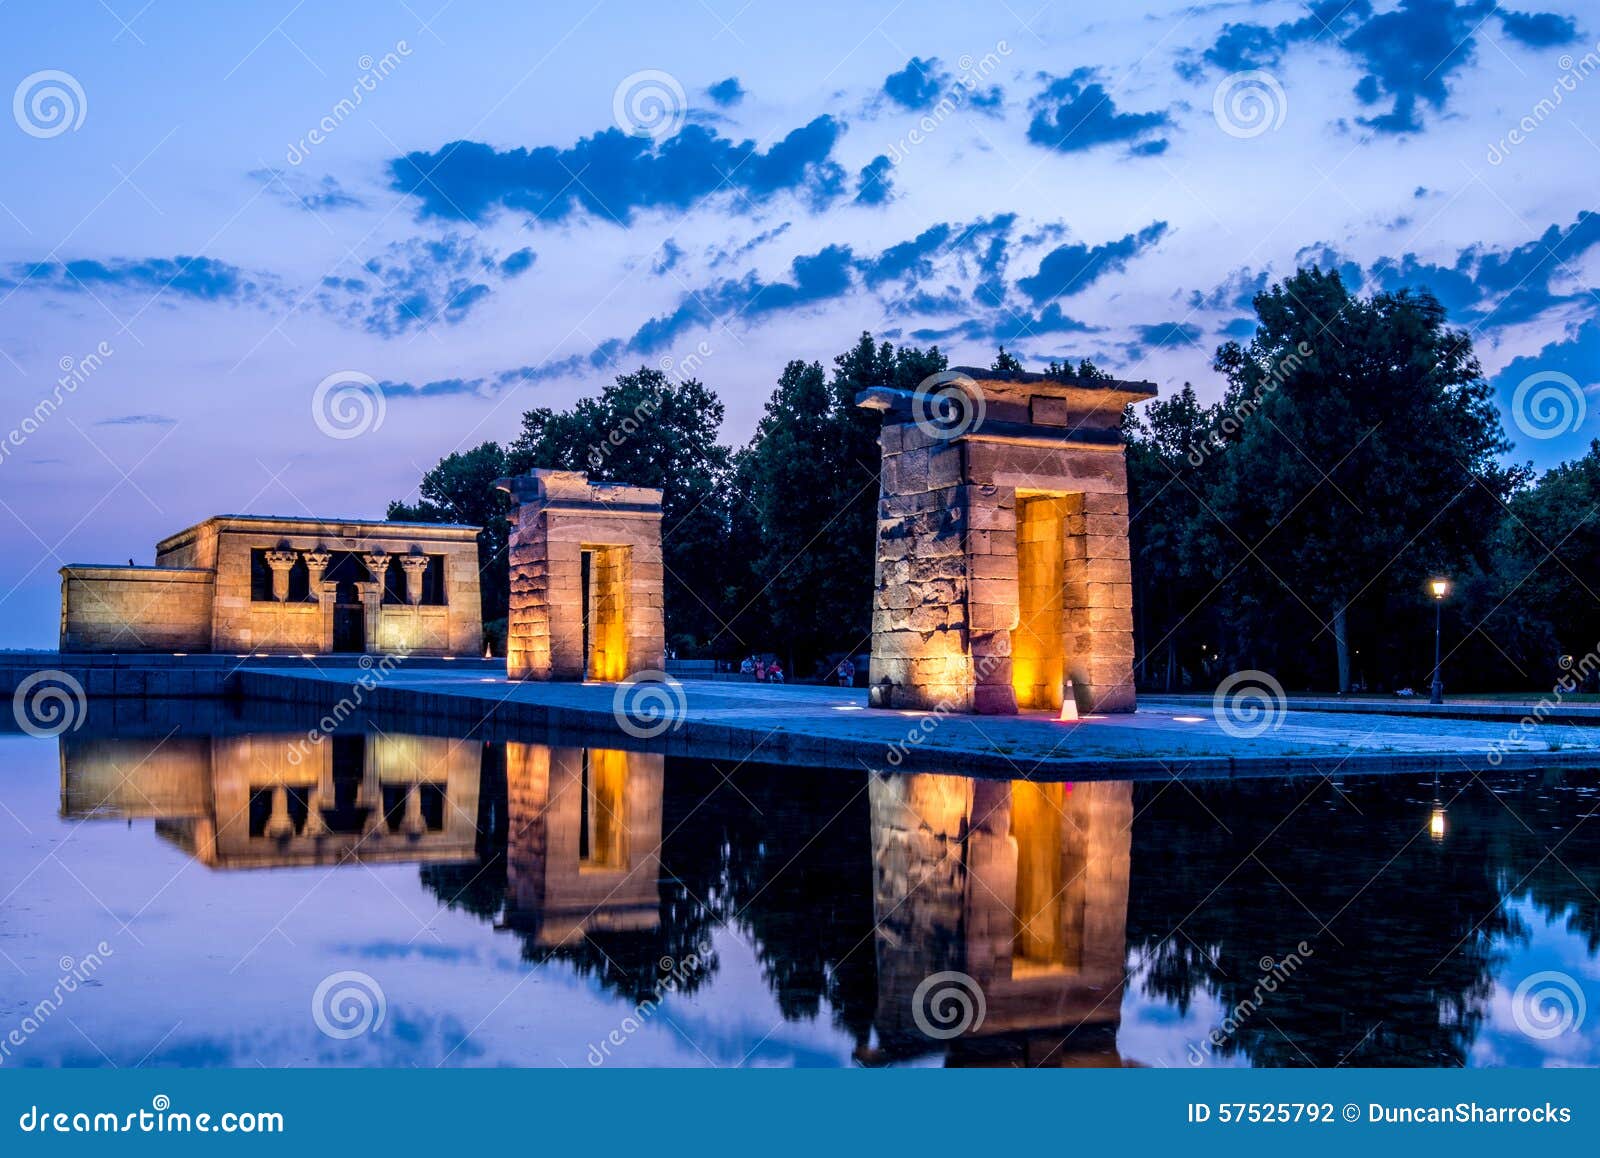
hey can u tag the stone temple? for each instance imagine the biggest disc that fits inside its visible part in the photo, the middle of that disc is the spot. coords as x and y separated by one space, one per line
264 585
586 578
1002 561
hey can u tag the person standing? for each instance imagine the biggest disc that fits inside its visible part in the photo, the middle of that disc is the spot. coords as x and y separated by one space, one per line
847 673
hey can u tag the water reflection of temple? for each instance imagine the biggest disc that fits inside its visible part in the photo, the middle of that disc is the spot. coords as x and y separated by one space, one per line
269 800
584 842
1023 888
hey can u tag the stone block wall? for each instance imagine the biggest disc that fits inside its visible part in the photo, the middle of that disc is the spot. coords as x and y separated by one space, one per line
135 609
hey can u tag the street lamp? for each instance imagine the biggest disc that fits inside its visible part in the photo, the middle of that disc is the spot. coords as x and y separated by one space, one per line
1439 588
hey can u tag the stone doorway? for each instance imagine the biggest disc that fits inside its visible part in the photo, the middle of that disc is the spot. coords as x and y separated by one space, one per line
1038 652
349 619
603 575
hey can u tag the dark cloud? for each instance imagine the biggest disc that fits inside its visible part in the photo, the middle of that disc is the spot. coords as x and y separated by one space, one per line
875 185
1075 113
1071 269
917 86
295 191
612 175
419 282
814 278
734 253
138 420
1168 334
1408 54
670 254
726 93
199 278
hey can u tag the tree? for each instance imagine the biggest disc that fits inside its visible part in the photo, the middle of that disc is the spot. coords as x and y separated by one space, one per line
460 489
1171 466
811 475
1361 455
650 431
1005 363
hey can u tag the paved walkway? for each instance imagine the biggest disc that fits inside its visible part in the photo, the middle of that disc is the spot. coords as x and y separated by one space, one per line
834 727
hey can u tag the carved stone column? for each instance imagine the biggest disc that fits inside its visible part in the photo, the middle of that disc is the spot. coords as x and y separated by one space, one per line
316 565
279 826
281 562
377 562
415 566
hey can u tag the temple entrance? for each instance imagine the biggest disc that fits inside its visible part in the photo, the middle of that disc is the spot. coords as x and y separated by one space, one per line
349 619
1038 654
603 575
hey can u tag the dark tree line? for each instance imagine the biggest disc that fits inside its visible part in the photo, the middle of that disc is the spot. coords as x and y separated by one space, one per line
1289 527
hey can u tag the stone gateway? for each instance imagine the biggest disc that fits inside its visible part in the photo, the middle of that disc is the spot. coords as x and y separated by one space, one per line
586 578
1002 566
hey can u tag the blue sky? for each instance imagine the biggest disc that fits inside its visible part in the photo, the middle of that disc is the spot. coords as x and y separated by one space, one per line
523 202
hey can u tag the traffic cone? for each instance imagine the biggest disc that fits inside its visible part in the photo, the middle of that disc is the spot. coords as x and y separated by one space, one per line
1069 704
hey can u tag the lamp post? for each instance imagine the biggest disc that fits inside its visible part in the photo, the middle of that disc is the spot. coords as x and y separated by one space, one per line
1439 589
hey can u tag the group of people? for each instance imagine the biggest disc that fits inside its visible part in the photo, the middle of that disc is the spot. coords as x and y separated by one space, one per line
772 673
766 673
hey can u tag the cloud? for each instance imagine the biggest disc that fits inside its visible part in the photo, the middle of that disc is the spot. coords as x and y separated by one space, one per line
875 185
1075 112
918 85
1500 286
295 191
1071 269
1408 54
197 278
814 278
414 283
612 175
138 420
726 93
1575 354
1168 334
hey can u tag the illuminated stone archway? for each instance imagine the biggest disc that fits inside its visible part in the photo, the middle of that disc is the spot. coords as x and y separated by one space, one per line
586 578
1002 566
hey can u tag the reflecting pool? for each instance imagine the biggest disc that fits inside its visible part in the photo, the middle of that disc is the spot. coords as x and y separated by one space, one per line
240 894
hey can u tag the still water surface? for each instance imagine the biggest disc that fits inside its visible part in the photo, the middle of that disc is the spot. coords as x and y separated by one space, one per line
404 900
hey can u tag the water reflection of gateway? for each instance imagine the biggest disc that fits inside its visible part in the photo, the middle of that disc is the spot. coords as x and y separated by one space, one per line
1022 887
273 800
583 853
